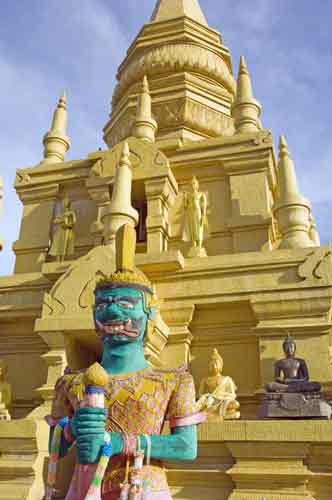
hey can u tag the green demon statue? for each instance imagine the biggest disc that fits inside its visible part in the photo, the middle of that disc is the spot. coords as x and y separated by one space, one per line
117 429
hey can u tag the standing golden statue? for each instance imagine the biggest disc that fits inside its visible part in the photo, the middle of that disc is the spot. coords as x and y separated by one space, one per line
64 237
195 204
217 393
5 393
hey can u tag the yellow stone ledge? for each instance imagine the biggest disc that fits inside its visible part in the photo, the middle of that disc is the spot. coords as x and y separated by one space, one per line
312 431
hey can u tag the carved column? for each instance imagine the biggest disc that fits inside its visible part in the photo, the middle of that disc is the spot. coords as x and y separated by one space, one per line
160 194
178 318
56 361
99 192
32 246
271 470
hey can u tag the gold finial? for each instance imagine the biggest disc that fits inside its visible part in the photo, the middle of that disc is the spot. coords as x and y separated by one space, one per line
287 177
246 109
283 147
291 209
172 9
125 248
244 90
120 210
126 273
56 142
63 101
146 84
145 126
243 70
96 375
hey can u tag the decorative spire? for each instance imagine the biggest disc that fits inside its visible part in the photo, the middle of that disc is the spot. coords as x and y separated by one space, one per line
246 109
288 187
292 210
171 9
120 210
145 126
313 233
56 142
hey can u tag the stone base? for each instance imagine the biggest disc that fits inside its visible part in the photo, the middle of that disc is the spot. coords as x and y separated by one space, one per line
213 418
197 252
4 413
294 405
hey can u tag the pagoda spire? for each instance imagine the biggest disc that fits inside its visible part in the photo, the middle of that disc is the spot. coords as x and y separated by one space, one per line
173 50
292 210
145 126
246 109
120 210
288 186
56 141
171 9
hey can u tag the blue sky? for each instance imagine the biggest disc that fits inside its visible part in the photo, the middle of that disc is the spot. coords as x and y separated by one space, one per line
50 45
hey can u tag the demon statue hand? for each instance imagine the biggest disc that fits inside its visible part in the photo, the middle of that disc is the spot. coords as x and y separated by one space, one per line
138 397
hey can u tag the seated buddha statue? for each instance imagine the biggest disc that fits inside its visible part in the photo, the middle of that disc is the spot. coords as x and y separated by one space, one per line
291 372
217 392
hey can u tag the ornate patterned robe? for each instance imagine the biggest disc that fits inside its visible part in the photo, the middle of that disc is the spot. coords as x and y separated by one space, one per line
138 403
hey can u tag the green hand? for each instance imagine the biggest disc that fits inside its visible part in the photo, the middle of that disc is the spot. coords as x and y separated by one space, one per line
88 427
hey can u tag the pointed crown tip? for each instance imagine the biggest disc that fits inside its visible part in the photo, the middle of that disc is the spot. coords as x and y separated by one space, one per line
172 9
282 141
62 103
145 84
243 69
283 147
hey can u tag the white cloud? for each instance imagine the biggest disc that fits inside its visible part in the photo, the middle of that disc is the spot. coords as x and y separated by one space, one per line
89 44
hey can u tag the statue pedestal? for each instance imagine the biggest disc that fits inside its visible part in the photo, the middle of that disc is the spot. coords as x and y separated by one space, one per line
294 405
4 413
218 419
197 252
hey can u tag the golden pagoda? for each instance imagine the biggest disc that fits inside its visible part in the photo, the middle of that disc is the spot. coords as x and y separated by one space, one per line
178 113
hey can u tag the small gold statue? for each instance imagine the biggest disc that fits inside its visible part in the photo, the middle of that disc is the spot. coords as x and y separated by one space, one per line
217 393
195 204
5 393
64 237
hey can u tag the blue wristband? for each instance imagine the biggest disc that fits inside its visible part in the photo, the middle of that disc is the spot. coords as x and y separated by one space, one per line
64 421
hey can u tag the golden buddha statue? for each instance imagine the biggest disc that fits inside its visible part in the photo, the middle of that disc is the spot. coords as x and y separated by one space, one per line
217 392
5 393
63 240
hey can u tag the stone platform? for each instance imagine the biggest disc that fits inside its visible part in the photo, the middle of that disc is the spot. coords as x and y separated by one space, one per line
294 406
253 460
238 460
